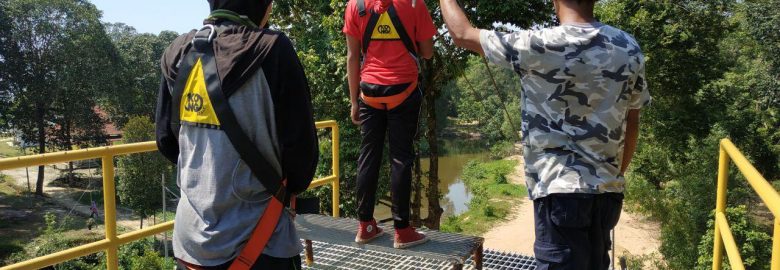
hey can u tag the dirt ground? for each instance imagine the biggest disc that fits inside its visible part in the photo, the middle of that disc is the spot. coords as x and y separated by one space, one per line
635 234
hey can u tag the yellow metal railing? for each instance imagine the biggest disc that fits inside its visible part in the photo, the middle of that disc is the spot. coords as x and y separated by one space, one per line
723 236
112 241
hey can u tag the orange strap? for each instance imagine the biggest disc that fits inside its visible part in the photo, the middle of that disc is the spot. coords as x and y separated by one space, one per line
260 236
390 102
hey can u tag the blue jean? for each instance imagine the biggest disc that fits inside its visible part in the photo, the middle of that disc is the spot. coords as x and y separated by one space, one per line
572 230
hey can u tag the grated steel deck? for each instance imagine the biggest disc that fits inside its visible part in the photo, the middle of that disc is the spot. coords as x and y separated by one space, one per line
339 257
443 247
496 260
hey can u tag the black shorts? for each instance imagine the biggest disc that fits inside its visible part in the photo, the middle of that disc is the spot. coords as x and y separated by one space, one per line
572 230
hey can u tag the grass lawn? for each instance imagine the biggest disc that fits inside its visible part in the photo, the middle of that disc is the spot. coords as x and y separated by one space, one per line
23 222
84 199
7 150
493 197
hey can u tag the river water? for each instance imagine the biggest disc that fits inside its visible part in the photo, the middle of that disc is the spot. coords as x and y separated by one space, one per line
455 194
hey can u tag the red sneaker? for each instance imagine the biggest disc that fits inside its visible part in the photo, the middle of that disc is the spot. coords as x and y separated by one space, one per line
408 237
368 231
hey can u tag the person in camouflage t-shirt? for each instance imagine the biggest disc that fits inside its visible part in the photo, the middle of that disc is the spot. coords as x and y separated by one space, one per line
583 86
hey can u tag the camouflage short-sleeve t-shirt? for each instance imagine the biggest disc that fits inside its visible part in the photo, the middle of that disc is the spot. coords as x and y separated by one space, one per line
579 82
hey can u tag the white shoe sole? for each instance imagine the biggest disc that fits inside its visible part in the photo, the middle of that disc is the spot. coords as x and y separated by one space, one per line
363 241
410 244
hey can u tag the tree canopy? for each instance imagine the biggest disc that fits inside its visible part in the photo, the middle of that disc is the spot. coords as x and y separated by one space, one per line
54 49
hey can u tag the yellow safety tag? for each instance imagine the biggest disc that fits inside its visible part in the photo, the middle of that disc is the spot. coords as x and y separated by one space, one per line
385 30
195 107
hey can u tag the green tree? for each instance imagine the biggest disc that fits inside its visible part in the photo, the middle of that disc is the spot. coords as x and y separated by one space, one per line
763 25
710 74
753 242
476 99
139 174
137 72
58 47
6 51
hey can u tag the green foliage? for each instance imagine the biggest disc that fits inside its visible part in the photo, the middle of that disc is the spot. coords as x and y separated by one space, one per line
51 53
58 47
55 237
6 51
752 240
648 261
476 99
139 174
680 41
142 255
137 72
501 150
51 224
710 71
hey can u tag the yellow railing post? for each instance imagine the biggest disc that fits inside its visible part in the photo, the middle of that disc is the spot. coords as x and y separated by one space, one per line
109 210
723 238
776 246
335 163
720 207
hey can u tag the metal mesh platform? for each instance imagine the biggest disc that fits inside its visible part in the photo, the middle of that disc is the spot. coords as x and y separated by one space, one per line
443 247
496 260
339 257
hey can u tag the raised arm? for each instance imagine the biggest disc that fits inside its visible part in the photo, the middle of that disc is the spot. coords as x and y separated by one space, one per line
462 32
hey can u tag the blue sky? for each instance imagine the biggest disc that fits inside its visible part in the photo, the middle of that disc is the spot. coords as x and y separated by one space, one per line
153 16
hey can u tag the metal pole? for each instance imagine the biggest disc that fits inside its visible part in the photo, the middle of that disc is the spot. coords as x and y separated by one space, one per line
776 246
109 208
612 262
27 171
335 155
720 207
164 213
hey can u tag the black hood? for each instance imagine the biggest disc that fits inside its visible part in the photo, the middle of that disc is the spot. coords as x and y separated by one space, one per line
254 9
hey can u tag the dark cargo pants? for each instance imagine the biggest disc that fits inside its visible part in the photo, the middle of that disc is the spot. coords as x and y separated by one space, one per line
573 230
400 123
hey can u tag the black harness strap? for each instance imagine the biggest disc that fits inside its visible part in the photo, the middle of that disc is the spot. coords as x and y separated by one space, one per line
185 66
405 38
372 21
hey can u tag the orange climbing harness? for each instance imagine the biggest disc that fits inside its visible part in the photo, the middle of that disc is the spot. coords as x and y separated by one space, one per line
387 26
388 102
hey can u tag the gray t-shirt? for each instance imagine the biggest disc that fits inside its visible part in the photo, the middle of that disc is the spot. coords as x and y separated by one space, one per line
579 81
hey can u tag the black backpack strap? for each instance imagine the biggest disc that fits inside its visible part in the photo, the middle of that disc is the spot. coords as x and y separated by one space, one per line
405 38
184 67
203 49
372 21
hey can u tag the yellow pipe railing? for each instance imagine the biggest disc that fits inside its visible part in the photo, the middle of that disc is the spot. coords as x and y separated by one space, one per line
112 241
723 236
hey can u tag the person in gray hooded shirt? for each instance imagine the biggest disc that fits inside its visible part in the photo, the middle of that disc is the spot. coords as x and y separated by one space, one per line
583 88
221 200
